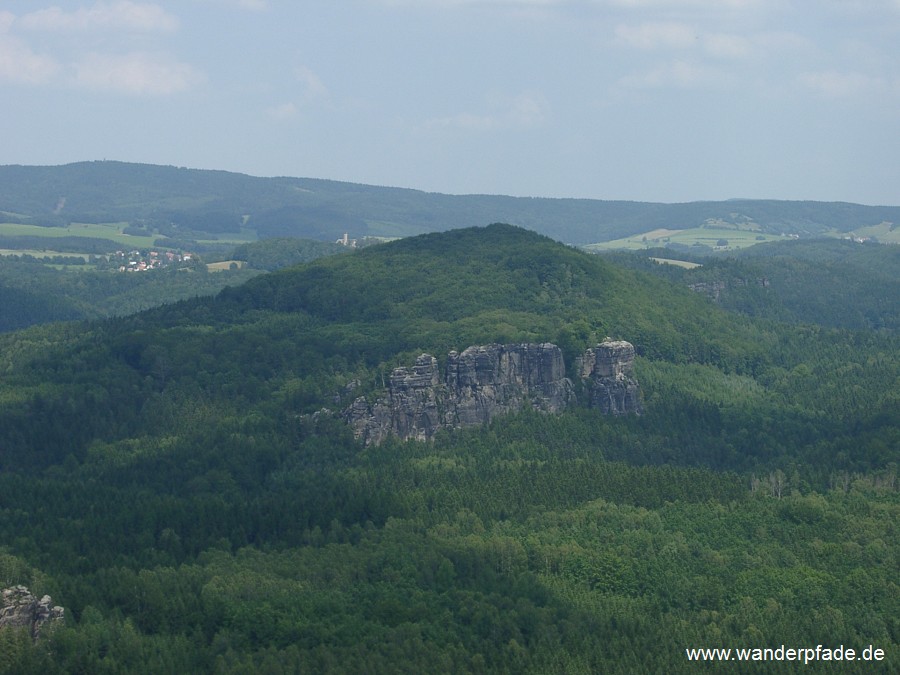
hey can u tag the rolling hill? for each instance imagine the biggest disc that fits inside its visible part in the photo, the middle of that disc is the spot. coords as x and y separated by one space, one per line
184 203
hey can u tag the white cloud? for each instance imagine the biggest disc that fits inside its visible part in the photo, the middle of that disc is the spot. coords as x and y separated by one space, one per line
671 5
18 63
119 15
834 84
656 36
727 46
689 4
858 7
464 121
455 3
678 75
665 35
783 41
136 73
525 111
311 91
282 112
680 36
252 5
6 20
312 85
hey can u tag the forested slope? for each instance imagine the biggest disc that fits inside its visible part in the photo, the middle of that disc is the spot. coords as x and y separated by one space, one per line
180 202
166 478
32 292
833 283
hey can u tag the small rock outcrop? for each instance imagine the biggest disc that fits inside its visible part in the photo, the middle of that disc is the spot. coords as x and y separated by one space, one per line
608 372
20 609
484 381
715 289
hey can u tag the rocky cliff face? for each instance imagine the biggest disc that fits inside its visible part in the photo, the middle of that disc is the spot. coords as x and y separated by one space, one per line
715 289
413 408
477 384
608 372
20 609
489 380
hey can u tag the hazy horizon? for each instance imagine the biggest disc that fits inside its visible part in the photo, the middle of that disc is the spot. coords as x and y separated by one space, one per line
667 101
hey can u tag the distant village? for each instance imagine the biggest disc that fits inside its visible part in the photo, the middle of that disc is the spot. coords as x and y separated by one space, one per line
139 261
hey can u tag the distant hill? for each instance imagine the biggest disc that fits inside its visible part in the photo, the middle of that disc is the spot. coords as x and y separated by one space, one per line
177 201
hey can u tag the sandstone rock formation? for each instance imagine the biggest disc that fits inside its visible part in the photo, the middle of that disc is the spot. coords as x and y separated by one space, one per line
489 380
413 407
608 371
716 288
20 609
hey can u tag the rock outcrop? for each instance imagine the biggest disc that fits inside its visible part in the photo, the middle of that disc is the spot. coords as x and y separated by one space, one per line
494 379
413 408
716 288
20 609
489 380
608 372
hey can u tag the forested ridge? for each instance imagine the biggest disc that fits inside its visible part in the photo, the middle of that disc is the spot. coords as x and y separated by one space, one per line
170 477
833 283
160 198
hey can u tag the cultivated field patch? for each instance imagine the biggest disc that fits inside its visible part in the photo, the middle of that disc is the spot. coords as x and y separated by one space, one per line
111 231
720 238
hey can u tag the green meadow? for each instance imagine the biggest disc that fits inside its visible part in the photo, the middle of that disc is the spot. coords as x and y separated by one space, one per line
886 233
111 231
706 236
42 253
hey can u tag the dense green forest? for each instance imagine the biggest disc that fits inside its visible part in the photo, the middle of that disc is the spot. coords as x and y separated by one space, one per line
274 254
34 293
180 203
833 283
182 482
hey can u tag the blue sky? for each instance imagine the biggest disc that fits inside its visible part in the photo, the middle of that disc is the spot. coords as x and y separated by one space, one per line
654 100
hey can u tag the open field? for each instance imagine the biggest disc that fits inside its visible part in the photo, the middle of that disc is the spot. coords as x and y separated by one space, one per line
235 238
707 236
661 233
225 265
44 253
886 233
678 263
110 231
